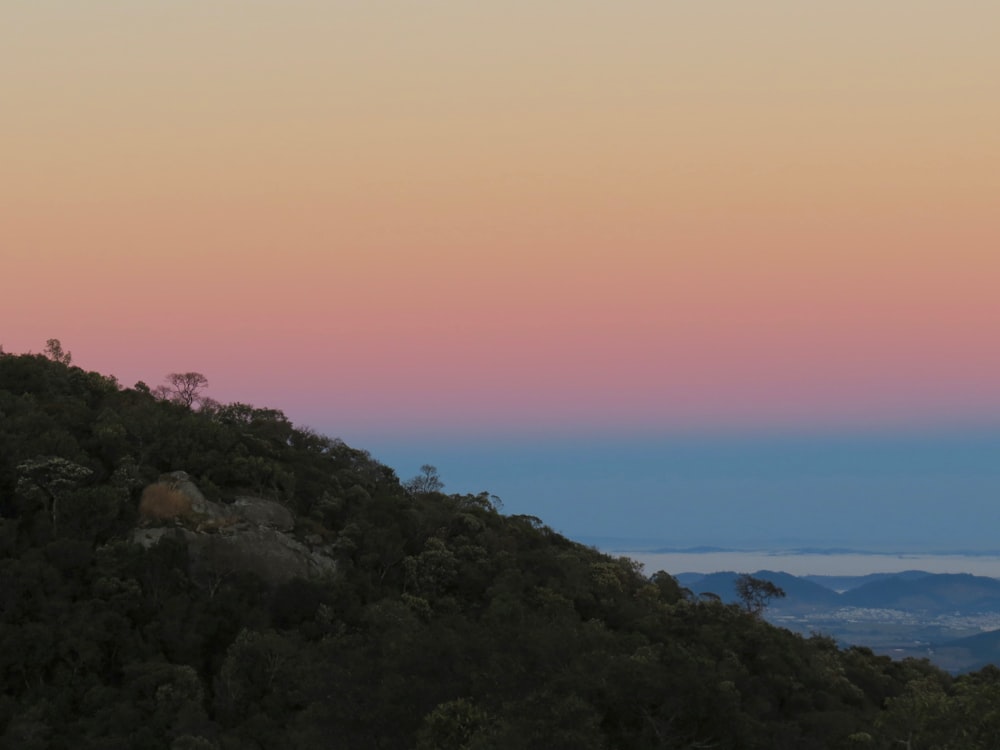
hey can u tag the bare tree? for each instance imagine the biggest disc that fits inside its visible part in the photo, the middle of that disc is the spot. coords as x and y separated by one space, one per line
426 481
54 351
183 388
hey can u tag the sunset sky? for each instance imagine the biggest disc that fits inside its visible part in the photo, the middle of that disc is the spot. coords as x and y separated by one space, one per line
442 227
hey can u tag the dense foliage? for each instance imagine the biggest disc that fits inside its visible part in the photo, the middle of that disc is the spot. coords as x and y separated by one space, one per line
447 625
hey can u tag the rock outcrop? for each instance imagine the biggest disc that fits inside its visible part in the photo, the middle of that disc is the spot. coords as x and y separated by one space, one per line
257 510
249 535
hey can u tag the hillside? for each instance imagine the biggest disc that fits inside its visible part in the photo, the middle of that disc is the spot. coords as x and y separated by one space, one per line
178 573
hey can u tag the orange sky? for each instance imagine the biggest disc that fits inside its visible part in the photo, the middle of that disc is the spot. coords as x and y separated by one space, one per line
653 214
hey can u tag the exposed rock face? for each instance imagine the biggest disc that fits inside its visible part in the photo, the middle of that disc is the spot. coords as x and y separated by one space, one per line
274 556
181 482
263 513
174 495
251 535
160 503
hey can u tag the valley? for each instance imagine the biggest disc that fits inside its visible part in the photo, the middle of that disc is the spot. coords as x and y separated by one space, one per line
953 620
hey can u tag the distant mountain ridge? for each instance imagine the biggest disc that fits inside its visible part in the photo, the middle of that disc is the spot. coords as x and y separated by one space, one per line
969 653
798 591
631 546
913 590
940 592
846 583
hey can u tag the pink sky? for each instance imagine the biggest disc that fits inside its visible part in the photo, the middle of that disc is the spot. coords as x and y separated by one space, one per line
544 216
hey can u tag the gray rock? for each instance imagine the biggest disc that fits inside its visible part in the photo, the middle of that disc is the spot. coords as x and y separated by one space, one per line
150 536
272 555
180 481
248 535
263 513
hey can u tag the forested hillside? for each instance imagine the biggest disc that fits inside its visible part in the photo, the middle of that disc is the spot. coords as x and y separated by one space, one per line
438 623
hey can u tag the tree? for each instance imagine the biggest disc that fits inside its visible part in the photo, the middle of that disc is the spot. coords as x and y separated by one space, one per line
54 351
756 593
50 479
426 481
183 388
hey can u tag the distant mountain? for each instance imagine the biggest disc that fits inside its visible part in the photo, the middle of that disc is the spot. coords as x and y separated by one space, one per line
912 614
799 592
686 579
959 655
620 544
846 583
973 652
703 550
930 593
912 591
720 584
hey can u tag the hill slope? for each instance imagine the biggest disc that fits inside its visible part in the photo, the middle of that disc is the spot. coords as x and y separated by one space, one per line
438 623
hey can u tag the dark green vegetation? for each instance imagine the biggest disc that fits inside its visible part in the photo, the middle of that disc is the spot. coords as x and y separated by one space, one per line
445 625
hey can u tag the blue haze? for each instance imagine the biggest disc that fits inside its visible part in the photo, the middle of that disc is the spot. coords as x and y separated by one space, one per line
882 492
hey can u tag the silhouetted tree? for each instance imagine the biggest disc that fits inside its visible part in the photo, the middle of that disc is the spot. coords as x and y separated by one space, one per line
756 593
183 388
55 352
426 481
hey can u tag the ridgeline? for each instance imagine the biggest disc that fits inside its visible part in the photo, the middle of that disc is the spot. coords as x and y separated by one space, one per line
178 573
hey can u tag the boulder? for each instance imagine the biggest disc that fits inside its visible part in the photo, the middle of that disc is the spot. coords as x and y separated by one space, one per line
181 482
249 535
263 512
270 554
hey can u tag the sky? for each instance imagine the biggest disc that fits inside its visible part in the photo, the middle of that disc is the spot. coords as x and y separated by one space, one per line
510 239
